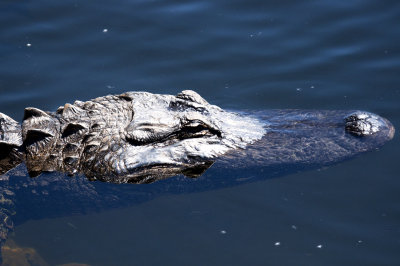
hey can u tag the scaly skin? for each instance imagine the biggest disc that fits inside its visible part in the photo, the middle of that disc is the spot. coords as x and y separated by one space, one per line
138 137
122 138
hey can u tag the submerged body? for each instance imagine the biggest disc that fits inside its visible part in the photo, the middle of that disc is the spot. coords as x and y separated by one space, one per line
139 137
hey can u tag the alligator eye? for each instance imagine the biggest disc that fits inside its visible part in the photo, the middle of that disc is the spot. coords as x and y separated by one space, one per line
197 129
191 129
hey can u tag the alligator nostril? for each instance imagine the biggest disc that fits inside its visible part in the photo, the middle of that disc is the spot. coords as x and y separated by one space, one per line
363 123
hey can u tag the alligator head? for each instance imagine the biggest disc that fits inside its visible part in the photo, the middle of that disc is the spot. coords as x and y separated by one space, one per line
134 137
140 137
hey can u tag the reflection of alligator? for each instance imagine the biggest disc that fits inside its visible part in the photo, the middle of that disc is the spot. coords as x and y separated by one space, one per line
138 137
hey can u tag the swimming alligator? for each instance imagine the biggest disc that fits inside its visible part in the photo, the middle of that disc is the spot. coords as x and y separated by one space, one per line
139 137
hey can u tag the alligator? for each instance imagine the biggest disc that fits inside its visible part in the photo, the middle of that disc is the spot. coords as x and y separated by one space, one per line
139 137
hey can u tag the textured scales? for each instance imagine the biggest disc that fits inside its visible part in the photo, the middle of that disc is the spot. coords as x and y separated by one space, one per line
141 137
123 138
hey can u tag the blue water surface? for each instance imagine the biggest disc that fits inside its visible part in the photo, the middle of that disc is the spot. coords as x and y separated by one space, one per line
241 55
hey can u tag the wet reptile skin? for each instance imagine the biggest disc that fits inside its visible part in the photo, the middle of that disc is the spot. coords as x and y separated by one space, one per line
139 137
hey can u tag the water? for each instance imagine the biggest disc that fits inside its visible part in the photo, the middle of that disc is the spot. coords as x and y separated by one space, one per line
243 55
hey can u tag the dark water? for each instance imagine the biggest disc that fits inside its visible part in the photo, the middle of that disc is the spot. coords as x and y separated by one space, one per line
238 55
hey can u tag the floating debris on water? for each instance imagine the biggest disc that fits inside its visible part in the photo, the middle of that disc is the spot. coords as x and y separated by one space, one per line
277 243
256 34
319 246
294 227
105 30
28 45
223 232
299 89
72 226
